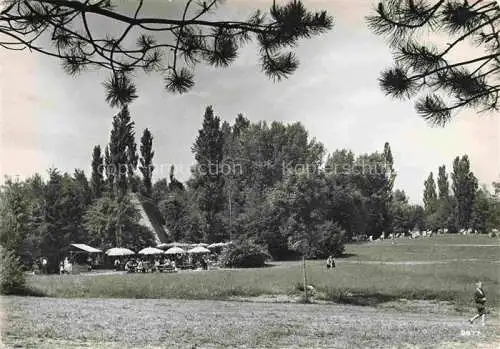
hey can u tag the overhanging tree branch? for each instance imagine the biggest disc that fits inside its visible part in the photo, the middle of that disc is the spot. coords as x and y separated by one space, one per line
66 25
419 66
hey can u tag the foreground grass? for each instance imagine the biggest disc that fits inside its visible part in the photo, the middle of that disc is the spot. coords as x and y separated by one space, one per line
362 284
448 274
55 323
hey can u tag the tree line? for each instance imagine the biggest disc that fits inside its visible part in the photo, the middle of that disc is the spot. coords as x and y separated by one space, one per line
269 184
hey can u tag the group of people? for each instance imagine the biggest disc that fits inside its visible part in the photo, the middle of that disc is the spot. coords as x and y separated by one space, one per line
143 266
330 263
66 266
159 264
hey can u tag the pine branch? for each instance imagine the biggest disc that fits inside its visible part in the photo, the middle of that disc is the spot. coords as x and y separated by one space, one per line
420 66
25 22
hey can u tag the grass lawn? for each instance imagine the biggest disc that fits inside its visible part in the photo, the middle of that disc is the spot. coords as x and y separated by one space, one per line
56 323
189 311
438 268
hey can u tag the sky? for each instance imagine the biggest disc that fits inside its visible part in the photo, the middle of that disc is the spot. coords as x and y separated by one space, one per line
50 119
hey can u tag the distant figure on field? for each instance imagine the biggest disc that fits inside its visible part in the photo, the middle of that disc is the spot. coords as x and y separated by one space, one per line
61 268
89 264
330 263
44 265
68 266
480 299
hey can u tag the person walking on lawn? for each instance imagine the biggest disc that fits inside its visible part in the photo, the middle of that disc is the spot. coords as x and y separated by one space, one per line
330 263
480 299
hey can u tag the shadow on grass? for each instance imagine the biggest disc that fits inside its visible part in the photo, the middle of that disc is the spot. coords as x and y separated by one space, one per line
32 292
364 299
369 298
25 291
269 265
347 255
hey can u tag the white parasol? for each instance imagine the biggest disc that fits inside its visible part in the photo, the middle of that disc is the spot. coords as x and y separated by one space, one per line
119 251
199 249
174 250
150 251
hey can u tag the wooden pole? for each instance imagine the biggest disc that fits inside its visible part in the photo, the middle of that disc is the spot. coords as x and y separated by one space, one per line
230 214
305 278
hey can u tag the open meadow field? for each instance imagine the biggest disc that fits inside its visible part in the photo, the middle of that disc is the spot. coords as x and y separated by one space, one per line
410 294
440 268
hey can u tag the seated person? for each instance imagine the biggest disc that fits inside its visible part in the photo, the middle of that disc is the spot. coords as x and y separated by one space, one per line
129 266
140 266
117 264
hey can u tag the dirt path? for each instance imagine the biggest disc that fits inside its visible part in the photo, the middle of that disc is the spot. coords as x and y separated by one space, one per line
129 323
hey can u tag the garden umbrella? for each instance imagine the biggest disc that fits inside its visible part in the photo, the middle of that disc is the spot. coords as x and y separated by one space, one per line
174 250
150 250
119 251
199 249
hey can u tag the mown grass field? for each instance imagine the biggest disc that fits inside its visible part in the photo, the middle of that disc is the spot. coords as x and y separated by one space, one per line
56 323
438 268
189 311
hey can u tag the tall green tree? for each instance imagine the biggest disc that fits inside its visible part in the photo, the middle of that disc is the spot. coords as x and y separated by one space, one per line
82 184
484 213
430 196
464 188
241 123
160 190
400 213
175 209
208 175
132 161
146 160
496 188
373 176
444 216
14 216
65 207
122 151
97 177
174 184
113 223
302 204
391 177
442 183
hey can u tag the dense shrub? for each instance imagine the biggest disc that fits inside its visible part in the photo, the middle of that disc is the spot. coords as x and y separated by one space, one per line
332 242
246 254
12 277
327 240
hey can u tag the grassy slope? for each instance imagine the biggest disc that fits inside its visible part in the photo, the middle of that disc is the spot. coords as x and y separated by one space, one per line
356 280
154 217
